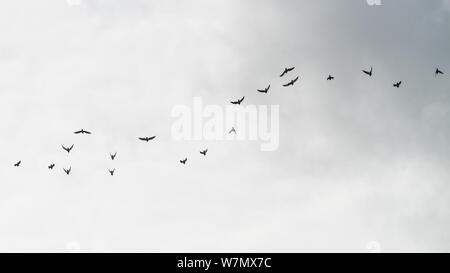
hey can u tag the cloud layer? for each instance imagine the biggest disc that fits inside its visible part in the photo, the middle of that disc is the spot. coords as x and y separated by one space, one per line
359 161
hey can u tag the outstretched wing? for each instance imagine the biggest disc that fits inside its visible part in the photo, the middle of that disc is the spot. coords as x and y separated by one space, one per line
143 138
87 132
241 100
78 132
151 138
264 90
294 80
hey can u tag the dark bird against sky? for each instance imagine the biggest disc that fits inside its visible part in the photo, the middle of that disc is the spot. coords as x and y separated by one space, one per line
291 82
204 152
238 101
82 132
111 172
368 72
51 166
264 90
68 149
68 170
437 72
286 70
17 164
330 78
147 138
113 155
397 84
183 161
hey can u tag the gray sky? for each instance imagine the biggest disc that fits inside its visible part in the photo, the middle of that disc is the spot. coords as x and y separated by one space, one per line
358 161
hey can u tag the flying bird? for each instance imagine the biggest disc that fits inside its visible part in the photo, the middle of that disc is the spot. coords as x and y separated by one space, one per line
238 101
438 72
183 161
264 90
67 171
368 72
397 84
112 172
204 152
330 78
232 130
51 166
17 164
286 70
113 155
68 149
291 82
82 132
147 138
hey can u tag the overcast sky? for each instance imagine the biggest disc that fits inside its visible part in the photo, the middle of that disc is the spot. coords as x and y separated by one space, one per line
358 161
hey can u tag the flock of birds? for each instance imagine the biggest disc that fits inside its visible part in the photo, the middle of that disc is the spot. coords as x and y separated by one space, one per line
233 130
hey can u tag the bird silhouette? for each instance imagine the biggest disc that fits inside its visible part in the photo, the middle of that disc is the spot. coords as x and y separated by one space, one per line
204 152
330 78
113 155
232 130
17 164
68 149
51 166
82 132
183 161
68 170
264 90
286 70
291 82
397 84
111 172
368 72
238 101
438 72
147 138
